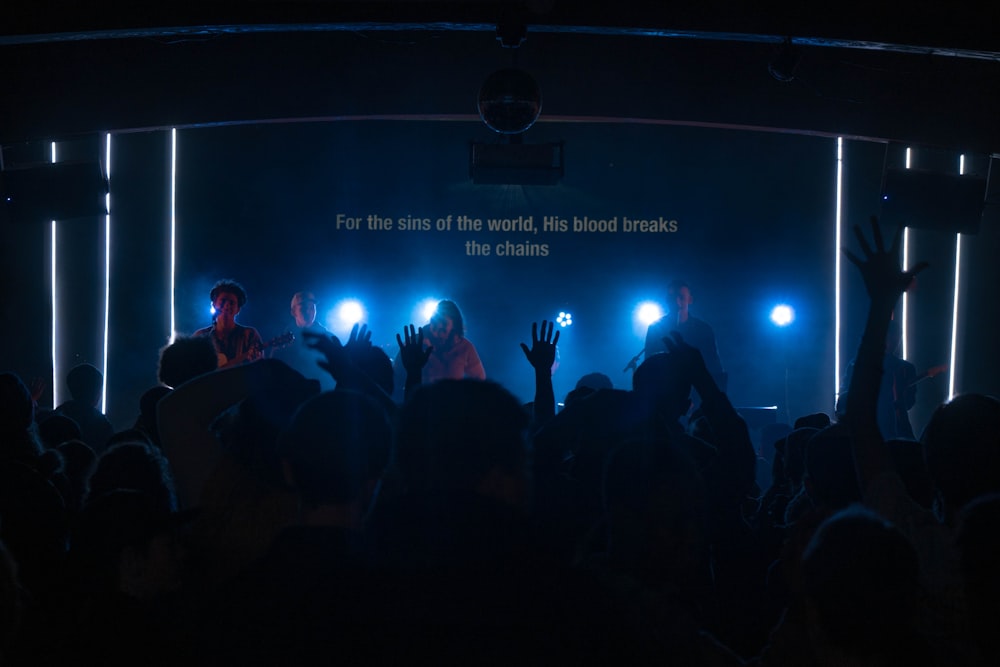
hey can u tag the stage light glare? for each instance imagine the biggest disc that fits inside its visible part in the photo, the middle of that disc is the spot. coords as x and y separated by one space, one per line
350 312
565 319
648 312
427 309
782 315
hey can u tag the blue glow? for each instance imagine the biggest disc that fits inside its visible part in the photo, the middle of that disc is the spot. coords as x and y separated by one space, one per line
782 315
350 312
424 311
565 319
648 312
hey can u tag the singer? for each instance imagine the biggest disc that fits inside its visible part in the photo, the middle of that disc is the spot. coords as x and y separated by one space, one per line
695 332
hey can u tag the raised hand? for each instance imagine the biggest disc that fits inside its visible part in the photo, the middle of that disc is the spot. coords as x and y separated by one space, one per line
337 357
880 269
358 342
542 353
885 282
412 352
360 338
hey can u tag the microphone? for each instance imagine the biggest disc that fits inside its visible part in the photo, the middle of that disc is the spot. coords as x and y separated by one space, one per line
634 361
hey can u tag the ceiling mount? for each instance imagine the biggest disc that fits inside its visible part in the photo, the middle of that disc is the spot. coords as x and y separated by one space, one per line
785 61
512 28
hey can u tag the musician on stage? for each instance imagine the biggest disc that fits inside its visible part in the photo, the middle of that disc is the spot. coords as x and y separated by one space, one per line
234 343
695 332
298 354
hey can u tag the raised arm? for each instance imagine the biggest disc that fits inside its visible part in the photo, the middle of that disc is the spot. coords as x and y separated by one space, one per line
359 341
541 355
885 281
413 355
732 437
341 367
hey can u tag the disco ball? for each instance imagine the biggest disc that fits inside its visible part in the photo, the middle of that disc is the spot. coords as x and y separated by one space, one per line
509 101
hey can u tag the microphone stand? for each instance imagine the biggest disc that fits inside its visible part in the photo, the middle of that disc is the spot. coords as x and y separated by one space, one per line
634 361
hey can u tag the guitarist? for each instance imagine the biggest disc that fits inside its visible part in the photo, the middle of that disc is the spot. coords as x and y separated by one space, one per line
234 343
299 355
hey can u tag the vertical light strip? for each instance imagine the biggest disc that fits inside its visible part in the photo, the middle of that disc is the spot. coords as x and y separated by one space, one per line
107 268
173 232
954 310
55 310
836 269
906 265
954 318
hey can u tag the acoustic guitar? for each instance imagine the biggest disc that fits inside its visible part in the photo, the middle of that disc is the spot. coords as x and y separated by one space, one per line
933 371
256 351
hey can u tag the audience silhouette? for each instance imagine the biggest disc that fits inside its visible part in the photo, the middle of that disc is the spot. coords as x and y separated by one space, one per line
250 518
85 384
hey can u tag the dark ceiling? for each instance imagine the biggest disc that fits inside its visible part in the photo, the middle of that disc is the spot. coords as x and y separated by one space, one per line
961 24
919 73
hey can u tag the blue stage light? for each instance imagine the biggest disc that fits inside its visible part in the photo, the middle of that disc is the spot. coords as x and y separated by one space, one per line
782 315
350 312
425 310
648 312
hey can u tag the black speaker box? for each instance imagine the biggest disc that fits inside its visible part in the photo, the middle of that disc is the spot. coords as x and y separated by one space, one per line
933 200
59 191
516 163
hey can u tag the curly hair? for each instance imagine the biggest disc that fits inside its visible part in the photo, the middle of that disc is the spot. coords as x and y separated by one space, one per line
232 287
